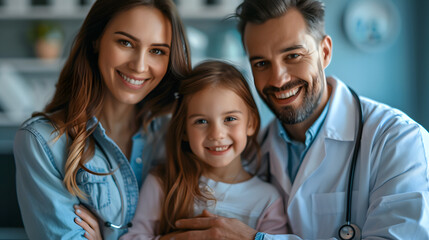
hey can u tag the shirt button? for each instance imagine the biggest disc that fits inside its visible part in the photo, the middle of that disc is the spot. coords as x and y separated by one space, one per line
139 160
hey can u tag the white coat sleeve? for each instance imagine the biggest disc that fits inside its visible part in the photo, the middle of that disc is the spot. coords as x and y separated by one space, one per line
398 199
148 212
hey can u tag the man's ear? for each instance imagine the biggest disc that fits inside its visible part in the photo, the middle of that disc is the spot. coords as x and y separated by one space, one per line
326 51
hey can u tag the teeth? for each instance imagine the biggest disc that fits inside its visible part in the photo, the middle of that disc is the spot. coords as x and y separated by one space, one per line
132 81
284 95
219 149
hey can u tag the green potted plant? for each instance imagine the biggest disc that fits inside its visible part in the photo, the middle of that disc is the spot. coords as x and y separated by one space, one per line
47 38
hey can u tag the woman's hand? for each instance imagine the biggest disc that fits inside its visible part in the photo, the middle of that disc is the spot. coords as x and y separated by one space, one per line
88 222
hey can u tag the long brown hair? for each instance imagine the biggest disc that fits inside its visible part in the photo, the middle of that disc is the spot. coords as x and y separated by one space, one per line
80 89
183 170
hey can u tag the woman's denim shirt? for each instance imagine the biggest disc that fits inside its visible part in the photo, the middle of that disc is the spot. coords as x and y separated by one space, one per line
46 205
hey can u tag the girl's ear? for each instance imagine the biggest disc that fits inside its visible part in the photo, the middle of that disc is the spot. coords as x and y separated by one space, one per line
251 126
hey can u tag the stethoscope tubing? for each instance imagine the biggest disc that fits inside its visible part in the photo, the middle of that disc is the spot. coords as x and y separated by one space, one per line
112 172
354 159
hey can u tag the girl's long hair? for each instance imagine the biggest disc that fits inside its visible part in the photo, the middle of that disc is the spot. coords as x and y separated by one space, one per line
181 175
79 91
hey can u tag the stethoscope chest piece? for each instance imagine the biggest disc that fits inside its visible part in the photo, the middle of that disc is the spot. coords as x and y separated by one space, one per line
349 231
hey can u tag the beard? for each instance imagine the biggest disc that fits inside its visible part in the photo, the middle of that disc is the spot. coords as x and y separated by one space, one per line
311 100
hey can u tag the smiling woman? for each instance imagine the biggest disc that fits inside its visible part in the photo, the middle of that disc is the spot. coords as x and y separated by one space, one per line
132 61
97 139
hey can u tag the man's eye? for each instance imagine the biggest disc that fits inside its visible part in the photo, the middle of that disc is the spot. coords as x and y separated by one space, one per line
260 64
293 56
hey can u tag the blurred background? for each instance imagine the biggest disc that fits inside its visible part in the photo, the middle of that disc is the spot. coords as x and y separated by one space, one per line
380 48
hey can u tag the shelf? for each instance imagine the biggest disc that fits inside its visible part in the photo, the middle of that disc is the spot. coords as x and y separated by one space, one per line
12 120
32 65
218 12
42 12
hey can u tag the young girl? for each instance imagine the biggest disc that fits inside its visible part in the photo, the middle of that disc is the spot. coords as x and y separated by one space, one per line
215 116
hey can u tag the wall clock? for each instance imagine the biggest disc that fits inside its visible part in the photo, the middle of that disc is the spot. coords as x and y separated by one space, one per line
372 25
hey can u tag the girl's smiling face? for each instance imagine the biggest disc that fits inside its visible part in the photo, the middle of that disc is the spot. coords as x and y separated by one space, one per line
218 123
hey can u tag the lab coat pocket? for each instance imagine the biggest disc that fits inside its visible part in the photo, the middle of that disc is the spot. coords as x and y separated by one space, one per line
95 187
328 212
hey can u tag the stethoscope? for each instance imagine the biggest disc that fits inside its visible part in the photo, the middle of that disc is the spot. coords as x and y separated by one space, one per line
349 230
112 171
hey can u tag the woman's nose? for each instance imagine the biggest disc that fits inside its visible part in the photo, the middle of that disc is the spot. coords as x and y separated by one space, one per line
139 63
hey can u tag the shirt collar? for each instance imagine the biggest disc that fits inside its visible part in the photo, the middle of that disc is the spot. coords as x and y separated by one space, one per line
310 134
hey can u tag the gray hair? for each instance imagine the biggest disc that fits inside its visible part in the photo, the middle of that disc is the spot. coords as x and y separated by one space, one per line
259 11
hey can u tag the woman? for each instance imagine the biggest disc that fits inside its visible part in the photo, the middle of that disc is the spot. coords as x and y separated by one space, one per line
101 133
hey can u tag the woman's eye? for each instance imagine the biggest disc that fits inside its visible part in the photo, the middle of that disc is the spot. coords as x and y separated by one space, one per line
157 51
125 43
230 119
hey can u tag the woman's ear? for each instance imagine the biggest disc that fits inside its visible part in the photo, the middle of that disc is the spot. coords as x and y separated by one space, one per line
326 51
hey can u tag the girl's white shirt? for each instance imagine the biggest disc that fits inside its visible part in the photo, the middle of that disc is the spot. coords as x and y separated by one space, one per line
254 202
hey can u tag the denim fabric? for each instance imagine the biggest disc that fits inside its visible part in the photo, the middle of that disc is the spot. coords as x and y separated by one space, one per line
259 236
46 205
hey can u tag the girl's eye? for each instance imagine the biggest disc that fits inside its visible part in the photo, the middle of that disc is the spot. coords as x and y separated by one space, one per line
200 121
125 43
157 51
230 119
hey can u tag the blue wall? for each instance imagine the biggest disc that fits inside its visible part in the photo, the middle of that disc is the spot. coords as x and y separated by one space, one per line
423 53
397 75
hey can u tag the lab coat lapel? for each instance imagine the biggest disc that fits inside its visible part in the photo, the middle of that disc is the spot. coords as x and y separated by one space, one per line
312 160
279 173
275 152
